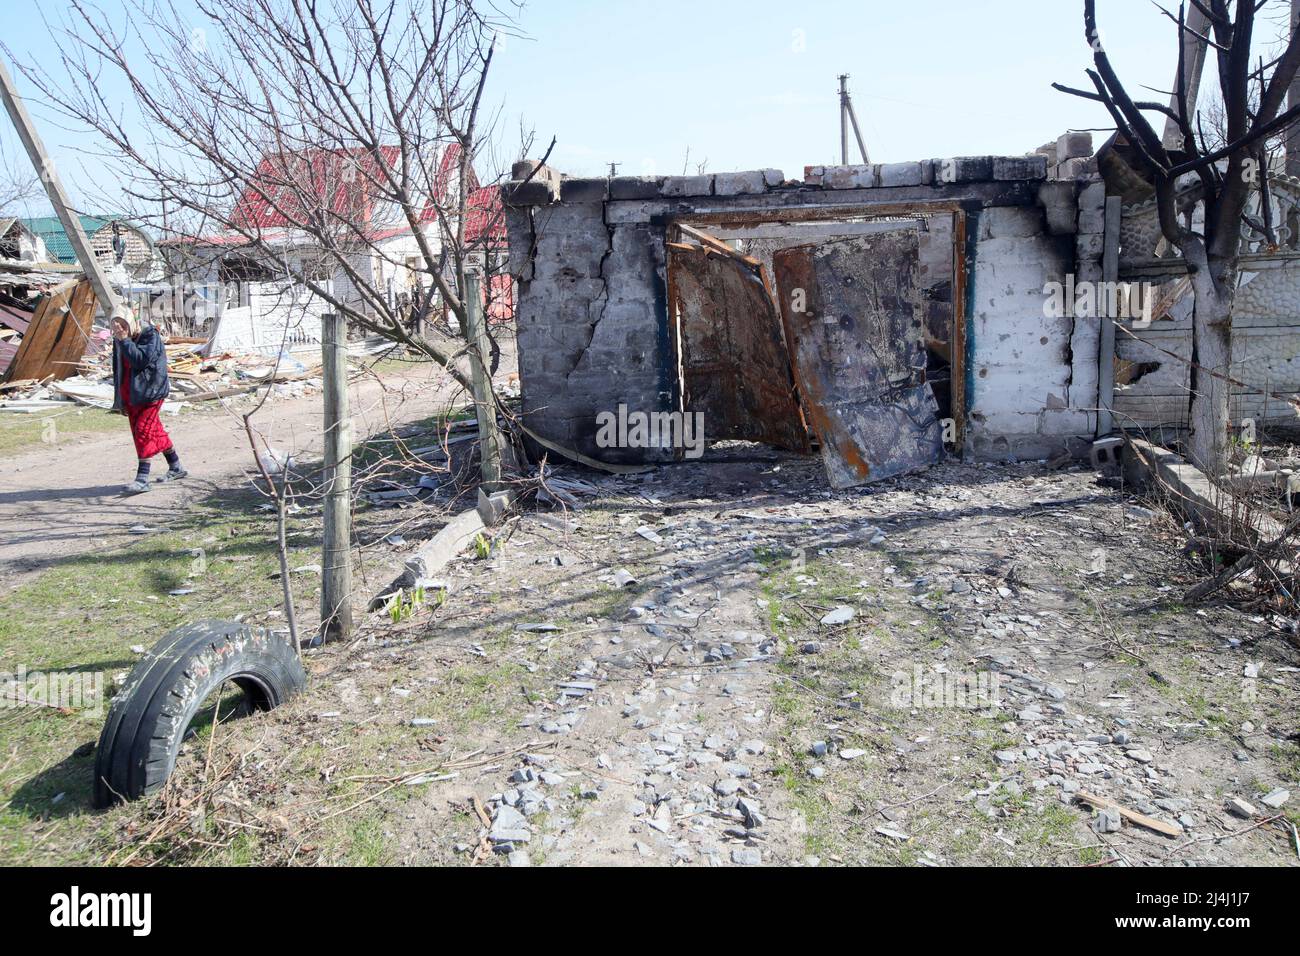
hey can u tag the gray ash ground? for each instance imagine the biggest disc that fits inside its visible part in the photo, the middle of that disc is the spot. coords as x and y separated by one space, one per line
648 680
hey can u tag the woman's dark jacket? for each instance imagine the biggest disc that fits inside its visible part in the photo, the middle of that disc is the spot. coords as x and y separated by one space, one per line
148 364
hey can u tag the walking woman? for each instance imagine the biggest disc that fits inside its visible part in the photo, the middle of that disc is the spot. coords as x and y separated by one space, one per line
139 386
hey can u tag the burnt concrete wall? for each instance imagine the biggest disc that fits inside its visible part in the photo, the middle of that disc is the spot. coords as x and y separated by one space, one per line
592 317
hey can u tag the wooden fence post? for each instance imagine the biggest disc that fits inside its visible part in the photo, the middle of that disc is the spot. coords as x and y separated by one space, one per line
336 559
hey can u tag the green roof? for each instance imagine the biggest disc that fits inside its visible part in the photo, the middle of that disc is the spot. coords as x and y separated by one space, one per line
57 242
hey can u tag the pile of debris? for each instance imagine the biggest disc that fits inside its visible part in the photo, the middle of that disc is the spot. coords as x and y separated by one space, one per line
53 354
194 378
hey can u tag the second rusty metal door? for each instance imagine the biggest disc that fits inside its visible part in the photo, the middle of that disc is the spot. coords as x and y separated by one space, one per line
854 326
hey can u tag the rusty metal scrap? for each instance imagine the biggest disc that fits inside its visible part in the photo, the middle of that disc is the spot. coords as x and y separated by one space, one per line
853 315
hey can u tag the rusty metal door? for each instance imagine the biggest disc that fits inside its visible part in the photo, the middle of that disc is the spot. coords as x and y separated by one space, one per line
734 364
854 318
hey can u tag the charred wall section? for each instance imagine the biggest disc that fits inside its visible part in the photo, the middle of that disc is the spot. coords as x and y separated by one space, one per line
593 327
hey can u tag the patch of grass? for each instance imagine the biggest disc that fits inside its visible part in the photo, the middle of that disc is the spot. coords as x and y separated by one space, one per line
473 694
366 843
1287 758
19 433
82 616
1048 827
1089 855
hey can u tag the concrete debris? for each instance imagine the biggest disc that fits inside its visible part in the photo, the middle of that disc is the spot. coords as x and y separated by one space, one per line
1241 808
1276 799
893 834
840 615
1107 820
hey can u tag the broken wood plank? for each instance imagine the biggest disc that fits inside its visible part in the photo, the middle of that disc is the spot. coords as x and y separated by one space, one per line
57 334
717 245
1141 819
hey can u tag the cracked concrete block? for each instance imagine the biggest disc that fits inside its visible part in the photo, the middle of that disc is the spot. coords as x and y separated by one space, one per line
635 187
1090 246
1083 167
812 175
526 168
1073 145
1019 167
522 169
533 193
962 169
1061 206
849 177
1092 208
1068 421
584 190
1011 222
901 174
739 184
519 231
773 177
555 362
687 186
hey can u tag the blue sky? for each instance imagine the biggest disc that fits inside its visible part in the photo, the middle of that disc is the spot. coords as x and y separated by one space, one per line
752 84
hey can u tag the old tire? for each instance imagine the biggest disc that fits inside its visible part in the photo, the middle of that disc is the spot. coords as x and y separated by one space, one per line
149 716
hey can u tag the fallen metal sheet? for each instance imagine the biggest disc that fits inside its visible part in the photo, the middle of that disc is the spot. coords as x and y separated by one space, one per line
734 363
852 311
94 394
12 317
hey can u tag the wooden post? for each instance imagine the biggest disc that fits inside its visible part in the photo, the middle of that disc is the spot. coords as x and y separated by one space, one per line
54 189
481 378
336 558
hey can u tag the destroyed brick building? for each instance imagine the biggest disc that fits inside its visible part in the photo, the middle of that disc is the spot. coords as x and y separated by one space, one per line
879 311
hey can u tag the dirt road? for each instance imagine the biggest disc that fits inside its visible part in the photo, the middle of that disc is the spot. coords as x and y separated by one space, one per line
65 498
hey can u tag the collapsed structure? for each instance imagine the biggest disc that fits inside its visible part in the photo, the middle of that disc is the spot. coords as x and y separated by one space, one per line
878 311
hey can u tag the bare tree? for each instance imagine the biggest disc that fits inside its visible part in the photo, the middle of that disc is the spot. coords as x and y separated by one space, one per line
308 134
1252 95
18 184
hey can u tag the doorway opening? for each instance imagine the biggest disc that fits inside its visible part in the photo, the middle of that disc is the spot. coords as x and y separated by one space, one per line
835 334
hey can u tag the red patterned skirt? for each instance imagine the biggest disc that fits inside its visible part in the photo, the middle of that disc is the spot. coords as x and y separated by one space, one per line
147 430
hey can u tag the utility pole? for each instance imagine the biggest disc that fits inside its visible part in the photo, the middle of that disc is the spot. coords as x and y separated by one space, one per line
44 166
336 558
1194 50
847 116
